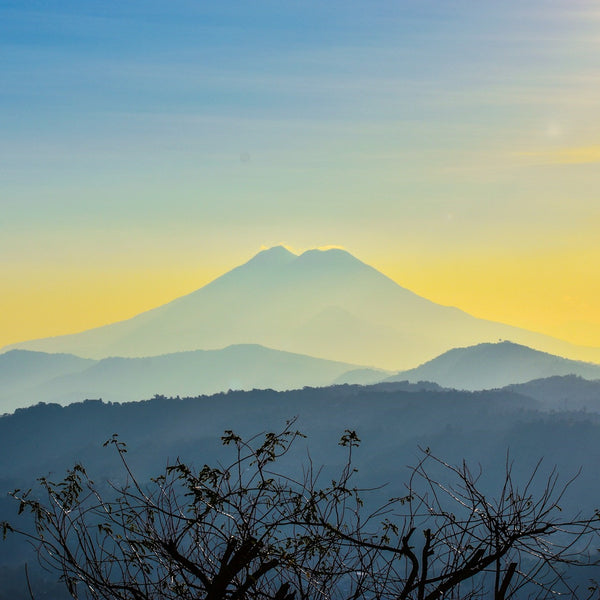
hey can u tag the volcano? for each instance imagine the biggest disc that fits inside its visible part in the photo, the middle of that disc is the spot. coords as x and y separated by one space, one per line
321 303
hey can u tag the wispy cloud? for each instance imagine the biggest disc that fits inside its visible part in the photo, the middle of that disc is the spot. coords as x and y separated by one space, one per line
563 156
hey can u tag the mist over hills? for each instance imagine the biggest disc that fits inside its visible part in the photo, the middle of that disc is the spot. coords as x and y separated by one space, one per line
322 303
562 393
30 377
20 369
392 420
486 366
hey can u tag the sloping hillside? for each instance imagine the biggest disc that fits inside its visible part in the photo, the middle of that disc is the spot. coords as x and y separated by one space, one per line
487 366
326 304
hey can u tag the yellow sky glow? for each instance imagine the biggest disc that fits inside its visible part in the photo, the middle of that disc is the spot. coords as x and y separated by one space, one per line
501 288
468 170
564 156
69 301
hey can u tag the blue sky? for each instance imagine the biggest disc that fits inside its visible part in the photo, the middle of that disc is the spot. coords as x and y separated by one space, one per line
423 136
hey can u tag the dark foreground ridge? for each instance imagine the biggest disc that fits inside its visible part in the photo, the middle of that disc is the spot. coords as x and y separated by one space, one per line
393 421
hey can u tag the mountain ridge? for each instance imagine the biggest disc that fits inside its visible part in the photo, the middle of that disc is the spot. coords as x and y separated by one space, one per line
273 298
249 366
124 379
495 365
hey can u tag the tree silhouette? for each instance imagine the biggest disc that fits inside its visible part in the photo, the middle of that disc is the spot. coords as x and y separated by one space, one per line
248 531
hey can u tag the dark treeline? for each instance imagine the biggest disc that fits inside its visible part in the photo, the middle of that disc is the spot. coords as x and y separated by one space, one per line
392 420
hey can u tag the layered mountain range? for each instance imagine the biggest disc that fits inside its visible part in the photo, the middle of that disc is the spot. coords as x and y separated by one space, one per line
284 321
487 366
322 303
28 377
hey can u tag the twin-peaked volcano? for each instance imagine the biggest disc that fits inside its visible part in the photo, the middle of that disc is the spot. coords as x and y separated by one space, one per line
323 303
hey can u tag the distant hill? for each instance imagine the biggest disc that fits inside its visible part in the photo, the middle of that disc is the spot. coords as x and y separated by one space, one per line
22 369
361 376
31 377
323 303
487 366
567 392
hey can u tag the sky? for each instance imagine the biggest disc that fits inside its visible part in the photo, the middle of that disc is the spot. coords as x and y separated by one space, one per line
147 147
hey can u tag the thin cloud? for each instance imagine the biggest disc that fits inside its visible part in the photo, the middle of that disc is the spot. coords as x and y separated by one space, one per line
579 155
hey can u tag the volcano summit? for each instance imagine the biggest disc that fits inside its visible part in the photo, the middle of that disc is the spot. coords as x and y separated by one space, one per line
323 303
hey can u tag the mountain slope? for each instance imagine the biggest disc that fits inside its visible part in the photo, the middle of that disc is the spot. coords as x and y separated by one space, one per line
24 369
320 303
566 392
181 374
487 366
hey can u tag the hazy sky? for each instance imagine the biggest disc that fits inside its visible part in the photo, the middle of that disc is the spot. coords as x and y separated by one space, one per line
149 146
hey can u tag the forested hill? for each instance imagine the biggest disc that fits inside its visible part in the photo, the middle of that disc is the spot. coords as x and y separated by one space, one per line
392 420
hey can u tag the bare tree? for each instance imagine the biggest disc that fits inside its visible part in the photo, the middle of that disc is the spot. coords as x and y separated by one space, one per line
247 531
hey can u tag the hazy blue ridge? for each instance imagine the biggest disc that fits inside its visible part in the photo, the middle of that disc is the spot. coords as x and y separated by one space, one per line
19 366
38 377
487 366
31 377
567 392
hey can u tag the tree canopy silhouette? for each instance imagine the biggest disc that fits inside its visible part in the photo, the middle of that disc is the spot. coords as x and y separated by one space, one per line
247 530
